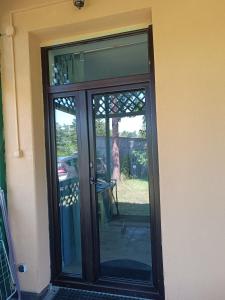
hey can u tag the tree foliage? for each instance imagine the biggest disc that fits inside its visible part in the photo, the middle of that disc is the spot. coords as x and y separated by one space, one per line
66 139
100 127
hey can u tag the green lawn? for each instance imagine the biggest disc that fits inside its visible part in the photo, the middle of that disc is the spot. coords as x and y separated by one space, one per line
133 191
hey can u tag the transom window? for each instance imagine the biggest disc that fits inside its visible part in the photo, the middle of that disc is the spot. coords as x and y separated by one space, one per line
111 58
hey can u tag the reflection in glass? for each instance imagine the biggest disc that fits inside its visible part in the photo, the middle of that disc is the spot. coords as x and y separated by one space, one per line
123 187
111 58
68 182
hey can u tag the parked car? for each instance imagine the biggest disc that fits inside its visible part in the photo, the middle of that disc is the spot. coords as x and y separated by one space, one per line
68 167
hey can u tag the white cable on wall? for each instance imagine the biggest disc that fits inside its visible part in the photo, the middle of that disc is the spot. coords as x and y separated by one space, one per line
9 33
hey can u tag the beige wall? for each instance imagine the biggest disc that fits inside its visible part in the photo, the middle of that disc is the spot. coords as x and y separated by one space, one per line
190 85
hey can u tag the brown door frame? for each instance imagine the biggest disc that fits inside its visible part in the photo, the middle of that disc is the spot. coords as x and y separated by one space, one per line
152 175
83 91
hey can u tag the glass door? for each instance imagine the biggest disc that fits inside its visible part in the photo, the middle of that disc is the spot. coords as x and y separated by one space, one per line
103 189
70 187
121 183
101 148
67 163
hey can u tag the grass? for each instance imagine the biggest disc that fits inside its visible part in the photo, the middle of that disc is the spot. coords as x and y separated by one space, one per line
133 191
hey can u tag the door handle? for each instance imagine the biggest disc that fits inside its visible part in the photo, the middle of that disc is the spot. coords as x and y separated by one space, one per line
93 180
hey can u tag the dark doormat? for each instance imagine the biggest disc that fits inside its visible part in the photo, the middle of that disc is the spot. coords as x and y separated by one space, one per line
71 294
127 268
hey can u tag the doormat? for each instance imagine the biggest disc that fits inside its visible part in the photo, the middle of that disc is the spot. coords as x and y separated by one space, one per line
71 294
127 269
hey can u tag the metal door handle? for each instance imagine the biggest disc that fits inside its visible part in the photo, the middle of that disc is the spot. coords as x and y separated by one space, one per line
93 180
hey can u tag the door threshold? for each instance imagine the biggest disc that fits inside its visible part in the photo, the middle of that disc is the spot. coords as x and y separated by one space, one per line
61 293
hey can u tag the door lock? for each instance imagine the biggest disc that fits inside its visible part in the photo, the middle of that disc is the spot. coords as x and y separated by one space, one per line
93 180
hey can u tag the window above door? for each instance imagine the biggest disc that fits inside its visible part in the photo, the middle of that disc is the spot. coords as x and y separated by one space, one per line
114 57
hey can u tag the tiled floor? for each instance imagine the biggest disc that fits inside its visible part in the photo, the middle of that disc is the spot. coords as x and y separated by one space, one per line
124 242
124 238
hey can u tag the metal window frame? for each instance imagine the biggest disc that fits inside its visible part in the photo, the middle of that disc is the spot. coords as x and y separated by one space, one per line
81 90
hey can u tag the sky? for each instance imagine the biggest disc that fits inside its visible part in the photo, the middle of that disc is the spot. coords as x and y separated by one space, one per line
130 124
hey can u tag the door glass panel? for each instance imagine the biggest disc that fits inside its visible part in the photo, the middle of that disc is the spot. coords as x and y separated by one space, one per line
114 57
68 183
122 189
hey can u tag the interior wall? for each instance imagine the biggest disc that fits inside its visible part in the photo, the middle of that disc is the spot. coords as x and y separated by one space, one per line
190 70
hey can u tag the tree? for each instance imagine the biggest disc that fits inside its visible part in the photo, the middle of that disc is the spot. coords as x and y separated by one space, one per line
142 132
66 139
129 134
115 149
100 127
115 142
